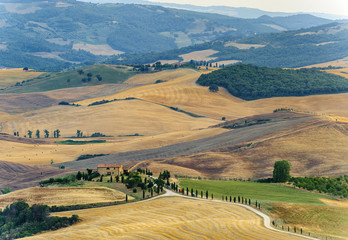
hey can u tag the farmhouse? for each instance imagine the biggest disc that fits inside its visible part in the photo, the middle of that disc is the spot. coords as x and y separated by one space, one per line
110 169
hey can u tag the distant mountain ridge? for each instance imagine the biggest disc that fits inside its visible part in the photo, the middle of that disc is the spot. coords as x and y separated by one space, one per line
240 12
58 34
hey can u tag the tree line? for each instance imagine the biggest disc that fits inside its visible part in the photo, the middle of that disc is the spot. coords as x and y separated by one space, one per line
335 186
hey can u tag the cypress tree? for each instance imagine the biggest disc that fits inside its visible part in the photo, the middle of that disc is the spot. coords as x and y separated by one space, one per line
117 178
212 197
259 206
201 194
249 202
196 193
191 192
238 199
242 199
111 178
294 229
301 231
187 191
206 194
288 229
101 178
230 198
151 192
222 197
234 199
256 204
122 178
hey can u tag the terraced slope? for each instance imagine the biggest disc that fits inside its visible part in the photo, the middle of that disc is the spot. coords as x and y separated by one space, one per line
167 218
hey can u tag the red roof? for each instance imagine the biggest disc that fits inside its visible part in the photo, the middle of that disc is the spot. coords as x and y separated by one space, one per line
109 166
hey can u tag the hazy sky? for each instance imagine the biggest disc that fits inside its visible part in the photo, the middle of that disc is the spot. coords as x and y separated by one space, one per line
321 6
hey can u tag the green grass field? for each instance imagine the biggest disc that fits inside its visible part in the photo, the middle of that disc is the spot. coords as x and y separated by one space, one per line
58 80
264 192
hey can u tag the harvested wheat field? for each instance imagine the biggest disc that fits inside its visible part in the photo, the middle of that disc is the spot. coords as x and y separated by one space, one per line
203 55
314 148
167 218
336 63
62 196
243 45
115 118
18 103
9 77
182 91
39 152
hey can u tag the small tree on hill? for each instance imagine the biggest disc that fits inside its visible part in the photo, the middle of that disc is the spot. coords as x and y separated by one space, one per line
37 133
30 133
281 172
25 69
47 133
214 88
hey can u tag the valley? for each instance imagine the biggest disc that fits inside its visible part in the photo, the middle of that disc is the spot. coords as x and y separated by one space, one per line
138 121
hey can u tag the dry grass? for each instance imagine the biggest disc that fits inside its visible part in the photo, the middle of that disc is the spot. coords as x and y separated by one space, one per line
103 49
9 77
243 45
343 72
116 118
65 196
318 149
36 154
335 203
167 218
203 55
325 220
336 63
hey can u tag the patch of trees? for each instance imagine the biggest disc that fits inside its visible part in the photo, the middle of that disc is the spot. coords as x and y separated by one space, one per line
87 156
68 104
247 123
72 142
108 101
334 186
20 220
252 82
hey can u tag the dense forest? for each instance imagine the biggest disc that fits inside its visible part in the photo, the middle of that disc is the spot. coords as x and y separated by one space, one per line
20 220
252 82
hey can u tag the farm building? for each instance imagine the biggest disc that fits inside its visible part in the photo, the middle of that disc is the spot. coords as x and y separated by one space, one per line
110 169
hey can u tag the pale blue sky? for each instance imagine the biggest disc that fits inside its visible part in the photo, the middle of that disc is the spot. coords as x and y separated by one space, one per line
339 7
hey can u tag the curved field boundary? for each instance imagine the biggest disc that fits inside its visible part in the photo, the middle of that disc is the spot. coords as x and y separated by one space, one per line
222 140
173 217
266 219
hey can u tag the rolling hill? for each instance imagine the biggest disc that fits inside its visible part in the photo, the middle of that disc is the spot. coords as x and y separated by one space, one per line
57 35
287 49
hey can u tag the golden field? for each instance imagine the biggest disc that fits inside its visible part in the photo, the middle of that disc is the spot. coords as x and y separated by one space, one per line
315 148
42 154
63 196
167 218
10 77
